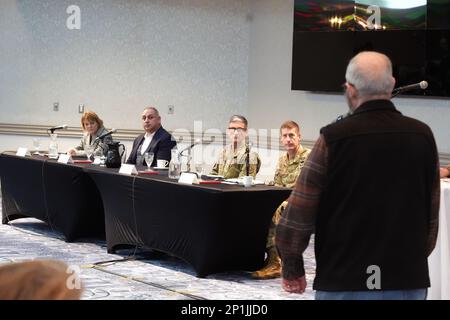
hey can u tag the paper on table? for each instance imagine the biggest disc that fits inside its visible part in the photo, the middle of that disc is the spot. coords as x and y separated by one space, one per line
239 181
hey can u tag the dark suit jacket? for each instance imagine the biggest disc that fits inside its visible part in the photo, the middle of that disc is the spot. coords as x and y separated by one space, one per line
161 145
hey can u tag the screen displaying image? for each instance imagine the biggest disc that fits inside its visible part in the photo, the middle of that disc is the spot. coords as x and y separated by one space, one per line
328 15
394 4
415 34
390 15
360 15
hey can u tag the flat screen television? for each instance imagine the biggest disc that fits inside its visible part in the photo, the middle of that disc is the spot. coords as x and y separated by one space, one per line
415 34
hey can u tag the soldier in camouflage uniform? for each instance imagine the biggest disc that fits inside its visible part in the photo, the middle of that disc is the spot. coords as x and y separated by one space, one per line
232 159
288 169
286 174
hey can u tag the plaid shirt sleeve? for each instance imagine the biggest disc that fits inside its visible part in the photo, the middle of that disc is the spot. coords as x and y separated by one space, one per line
298 219
433 225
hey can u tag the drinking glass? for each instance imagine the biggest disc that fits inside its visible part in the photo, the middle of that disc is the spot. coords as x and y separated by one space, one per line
36 145
198 166
53 146
148 157
102 160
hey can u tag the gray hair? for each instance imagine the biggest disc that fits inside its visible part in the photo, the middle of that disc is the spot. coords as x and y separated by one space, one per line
373 77
238 117
154 109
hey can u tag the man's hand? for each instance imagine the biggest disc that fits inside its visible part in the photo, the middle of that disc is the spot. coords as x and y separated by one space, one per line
295 286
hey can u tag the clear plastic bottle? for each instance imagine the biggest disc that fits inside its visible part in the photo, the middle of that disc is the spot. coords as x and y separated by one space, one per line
174 165
53 147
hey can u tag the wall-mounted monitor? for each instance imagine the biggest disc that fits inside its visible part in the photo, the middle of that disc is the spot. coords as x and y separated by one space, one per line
415 34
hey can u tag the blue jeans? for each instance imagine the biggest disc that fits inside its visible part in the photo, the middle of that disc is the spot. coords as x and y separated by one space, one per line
416 294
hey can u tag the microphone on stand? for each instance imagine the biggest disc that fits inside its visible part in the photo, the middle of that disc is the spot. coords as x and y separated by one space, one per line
52 129
189 148
196 142
421 85
101 137
247 158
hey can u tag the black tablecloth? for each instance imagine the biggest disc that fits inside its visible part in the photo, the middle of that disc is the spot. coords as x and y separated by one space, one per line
215 228
62 195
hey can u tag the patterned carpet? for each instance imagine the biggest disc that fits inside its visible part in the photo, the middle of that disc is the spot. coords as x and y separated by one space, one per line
141 277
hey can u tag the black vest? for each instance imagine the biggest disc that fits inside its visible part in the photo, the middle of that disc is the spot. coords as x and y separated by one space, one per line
376 203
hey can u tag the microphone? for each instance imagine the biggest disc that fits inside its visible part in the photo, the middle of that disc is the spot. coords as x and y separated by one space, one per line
421 85
197 141
343 116
52 129
102 136
247 158
188 163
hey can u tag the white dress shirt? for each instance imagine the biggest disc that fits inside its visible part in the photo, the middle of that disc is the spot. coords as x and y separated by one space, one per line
147 140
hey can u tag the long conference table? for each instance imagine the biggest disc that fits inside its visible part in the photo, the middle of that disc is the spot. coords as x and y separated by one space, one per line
215 228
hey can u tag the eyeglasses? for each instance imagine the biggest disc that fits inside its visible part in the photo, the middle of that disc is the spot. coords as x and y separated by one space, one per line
238 130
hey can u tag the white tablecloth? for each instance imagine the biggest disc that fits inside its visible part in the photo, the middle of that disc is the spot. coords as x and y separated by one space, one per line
439 260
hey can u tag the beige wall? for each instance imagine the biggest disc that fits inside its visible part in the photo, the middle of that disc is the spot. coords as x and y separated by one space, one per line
127 55
208 58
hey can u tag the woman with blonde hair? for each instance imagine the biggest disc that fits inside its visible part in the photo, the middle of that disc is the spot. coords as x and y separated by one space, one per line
93 128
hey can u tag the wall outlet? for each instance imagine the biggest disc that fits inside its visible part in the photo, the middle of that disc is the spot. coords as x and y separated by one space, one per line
80 108
55 106
170 109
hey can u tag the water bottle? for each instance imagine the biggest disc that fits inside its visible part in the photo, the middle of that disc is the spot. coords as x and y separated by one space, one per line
53 147
174 165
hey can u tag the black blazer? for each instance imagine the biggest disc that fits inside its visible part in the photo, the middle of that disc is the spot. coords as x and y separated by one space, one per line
161 145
